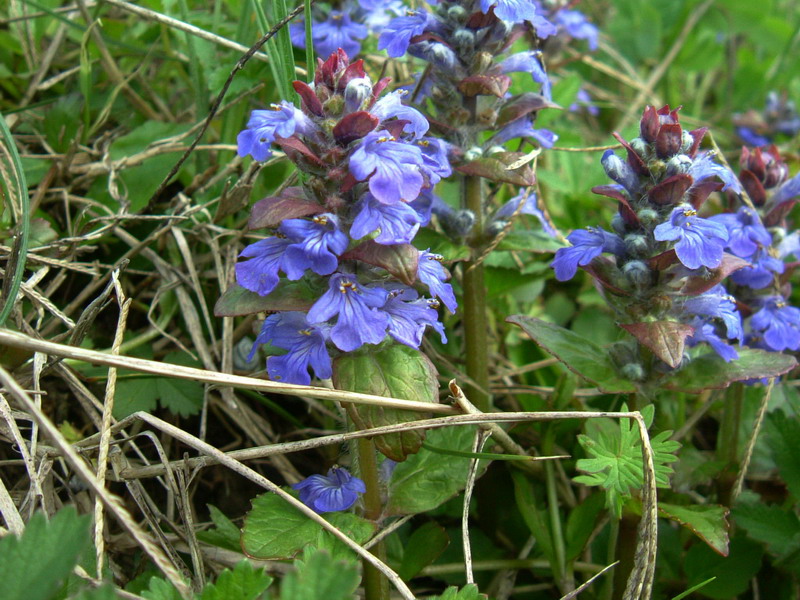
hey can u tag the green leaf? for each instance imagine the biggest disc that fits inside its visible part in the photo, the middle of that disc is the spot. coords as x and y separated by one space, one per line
428 479
580 355
468 592
496 168
135 394
783 437
275 529
225 535
319 576
392 370
179 396
616 462
236 301
105 592
161 589
580 524
774 526
350 524
438 243
244 582
733 574
35 564
707 521
711 372
422 548
530 240
527 506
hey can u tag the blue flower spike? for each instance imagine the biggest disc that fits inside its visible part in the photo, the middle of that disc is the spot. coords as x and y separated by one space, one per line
336 491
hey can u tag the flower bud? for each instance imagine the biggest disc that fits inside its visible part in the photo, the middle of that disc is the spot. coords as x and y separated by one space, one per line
641 148
458 223
618 224
637 273
633 371
657 168
687 141
636 245
457 13
648 216
495 150
334 105
494 228
482 61
680 163
464 41
473 153
357 92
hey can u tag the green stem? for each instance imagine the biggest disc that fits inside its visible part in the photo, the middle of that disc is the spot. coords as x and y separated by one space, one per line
376 586
559 549
728 441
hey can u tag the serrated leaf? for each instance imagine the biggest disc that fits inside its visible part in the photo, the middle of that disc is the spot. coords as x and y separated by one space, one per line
772 525
236 301
275 529
580 355
244 582
161 589
422 548
225 534
392 370
427 479
707 521
350 524
665 339
401 260
319 576
468 592
711 372
35 564
135 394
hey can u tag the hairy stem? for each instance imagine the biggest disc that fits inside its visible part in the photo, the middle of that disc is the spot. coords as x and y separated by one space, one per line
376 586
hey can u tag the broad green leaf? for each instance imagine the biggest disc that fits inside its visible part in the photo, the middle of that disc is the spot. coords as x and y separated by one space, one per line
468 592
580 523
427 479
244 582
275 529
236 301
527 506
319 576
711 372
179 396
707 521
105 592
351 525
783 437
438 243
392 370
135 394
35 564
422 548
733 574
779 529
580 355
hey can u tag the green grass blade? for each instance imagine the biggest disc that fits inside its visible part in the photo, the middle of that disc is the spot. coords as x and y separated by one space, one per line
24 227
310 61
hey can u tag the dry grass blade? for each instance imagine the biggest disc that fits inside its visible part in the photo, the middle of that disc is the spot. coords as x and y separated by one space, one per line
112 502
477 446
574 593
751 442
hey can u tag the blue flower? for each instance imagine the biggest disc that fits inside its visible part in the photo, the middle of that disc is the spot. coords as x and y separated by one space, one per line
435 164
438 54
717 303
751 138
267 257
513 11
393 167
524 128
587 244
378 13
698 242
397 35
398 222
745 232
338 490
391 105
761 271
431 272
704 167
778 323
789 190
705 332
578 26
409 315
283 120
584 100
320 243
529 207
305 344
359 321
529 62
337 31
